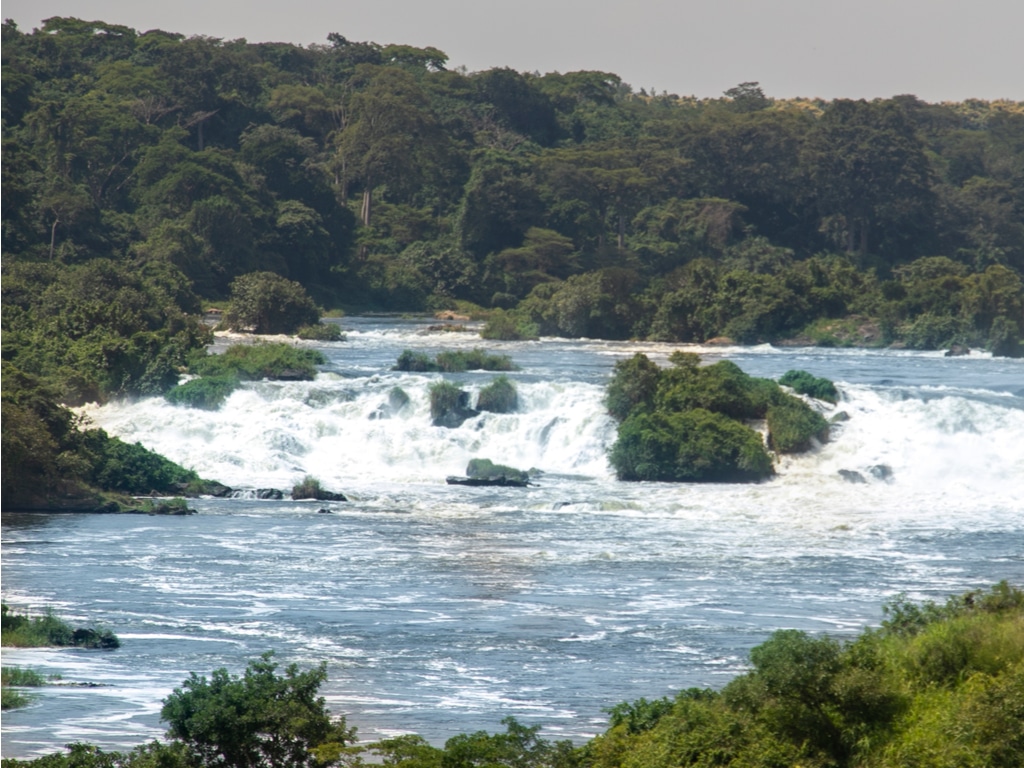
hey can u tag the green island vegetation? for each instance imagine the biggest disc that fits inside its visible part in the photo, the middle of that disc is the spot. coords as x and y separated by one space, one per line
150 174
453 361
688 423
935 685
22 631
500 396
221 374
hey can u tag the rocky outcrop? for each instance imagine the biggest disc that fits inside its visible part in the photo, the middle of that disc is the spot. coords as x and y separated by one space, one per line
449 406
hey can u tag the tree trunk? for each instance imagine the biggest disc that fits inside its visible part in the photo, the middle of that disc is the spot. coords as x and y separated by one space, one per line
53 235
367 197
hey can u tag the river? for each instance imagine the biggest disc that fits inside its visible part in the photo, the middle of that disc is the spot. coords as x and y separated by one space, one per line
442 609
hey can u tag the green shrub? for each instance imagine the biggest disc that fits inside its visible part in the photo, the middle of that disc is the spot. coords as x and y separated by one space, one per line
49 630
453 362
485 468
805 383
415 362
308 488
474 360
254 362
792 424
206 392
23 678
633 385
10 699
689 446
264 303
444 397
131 468
321 332
499 396
507 326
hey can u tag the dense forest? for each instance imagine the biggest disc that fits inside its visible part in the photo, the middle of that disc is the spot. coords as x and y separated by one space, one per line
145 173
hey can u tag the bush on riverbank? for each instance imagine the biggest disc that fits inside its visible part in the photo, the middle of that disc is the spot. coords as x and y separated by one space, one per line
937 685
49 462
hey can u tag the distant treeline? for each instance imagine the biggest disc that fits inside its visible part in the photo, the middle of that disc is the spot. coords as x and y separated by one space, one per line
378 178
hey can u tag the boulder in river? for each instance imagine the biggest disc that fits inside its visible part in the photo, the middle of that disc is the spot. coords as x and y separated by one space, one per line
958 350
449 405
851 476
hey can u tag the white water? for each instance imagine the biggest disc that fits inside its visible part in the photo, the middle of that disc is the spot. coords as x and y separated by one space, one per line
441 610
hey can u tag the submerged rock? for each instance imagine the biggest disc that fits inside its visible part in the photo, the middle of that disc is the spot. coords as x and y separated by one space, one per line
881 471
449 405
851 476
958 350
507 482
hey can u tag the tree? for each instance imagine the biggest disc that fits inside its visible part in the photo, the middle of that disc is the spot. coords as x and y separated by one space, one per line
258 720
870 177
267 303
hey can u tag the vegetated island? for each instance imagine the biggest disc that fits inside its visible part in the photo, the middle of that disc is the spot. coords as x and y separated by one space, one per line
937 685
150 175
692 423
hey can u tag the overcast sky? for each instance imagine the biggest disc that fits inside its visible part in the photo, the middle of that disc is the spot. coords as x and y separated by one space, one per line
937 49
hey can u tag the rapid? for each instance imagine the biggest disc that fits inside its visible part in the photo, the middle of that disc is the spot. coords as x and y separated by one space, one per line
440 609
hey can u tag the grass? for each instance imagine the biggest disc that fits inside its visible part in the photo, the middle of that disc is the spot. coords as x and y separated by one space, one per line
453 362
22 631
321 332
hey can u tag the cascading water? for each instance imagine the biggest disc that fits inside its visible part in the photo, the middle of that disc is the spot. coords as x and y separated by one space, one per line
442 609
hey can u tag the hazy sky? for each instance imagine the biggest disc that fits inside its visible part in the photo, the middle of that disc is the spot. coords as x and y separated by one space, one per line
936 49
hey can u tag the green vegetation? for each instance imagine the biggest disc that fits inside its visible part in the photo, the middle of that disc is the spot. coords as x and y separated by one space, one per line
150 174
22 678
266 303
446 398
935 685
255 362
499 396
805 383
16 677
686 423
220 375
485 468
21 631
455 361
206 392
504 326
258 718
62 466
321 332
310 488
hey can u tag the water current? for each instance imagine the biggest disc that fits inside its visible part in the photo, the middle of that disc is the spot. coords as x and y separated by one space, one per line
442 609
